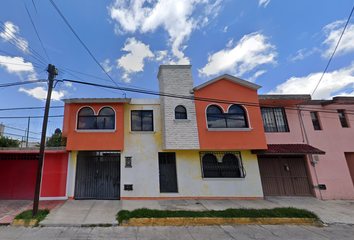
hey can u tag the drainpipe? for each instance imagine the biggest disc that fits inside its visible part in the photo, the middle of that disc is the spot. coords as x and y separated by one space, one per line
311 157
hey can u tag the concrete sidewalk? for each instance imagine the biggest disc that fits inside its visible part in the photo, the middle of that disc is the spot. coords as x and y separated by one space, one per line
95 212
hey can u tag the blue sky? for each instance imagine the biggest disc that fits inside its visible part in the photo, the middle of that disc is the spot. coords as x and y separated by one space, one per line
283 46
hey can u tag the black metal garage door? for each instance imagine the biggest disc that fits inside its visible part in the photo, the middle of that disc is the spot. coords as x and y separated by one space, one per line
97 175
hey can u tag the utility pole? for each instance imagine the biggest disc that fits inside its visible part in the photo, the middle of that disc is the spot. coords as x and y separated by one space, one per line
52 72
29 120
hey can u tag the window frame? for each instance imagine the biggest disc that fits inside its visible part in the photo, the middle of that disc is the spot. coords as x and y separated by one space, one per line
142 131
77 129
276 123
219 156
245 116
185 109
316 121
342 118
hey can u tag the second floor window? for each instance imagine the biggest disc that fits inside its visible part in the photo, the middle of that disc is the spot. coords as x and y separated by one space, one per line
235 118
315 121
142 120
274 119
87 119
342 118
180 112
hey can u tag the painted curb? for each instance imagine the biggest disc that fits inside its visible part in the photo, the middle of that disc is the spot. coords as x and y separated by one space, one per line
219 221
21 222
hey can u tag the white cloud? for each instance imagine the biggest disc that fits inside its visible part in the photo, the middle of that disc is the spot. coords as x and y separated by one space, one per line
331 83
17 65
333 32
225 29
134 61
256 75
263 2
249 53
41 93
174 16
106 65
303 53
10 34
160 55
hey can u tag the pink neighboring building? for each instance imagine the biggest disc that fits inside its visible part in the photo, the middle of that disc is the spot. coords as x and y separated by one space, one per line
300 124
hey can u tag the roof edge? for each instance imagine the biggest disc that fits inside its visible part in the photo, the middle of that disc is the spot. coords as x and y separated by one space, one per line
172 67
230 78
284 97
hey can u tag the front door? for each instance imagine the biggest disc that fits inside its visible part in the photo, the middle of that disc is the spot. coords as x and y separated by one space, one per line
168 177
97 175
284 176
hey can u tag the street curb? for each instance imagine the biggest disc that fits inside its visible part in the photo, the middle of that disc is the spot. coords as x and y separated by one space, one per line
21 222
220 221
79 225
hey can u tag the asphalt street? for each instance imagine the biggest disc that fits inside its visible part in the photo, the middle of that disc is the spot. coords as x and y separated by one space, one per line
246 232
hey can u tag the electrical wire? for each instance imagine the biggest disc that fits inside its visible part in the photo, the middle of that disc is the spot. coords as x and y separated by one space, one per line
35 116
22 130
82 43
10 54
19 135
13 39
249 104
21 83
28 108
334 51
35 29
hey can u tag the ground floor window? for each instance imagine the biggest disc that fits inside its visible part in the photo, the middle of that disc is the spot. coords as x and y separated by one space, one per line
222 164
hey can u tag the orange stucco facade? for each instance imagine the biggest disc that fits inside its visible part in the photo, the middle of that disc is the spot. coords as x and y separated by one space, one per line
227 139
93 139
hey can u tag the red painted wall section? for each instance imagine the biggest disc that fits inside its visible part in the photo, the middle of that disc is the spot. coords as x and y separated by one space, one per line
18 179
54 177
226 90
93 140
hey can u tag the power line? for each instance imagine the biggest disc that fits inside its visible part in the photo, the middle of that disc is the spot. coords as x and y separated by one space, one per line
35 116
249 104
27 108
37 34
21 129
10 54
82 43
20 45
335 49
18 135
21 83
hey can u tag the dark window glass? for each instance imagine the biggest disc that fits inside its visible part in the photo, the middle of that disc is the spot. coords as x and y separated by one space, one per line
235 118
228 168
180 112
315 121
342 118
105 118
142 120
274 119
88 120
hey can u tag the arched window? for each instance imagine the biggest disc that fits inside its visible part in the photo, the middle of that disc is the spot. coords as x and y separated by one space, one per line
105 118
88 120
180 112
215 117
210 165
230 167
235 118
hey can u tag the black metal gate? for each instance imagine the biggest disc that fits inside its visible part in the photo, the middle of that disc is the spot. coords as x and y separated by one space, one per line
168 177
97 175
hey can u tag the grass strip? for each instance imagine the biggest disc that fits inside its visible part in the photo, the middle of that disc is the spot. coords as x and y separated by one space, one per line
28 215
288 212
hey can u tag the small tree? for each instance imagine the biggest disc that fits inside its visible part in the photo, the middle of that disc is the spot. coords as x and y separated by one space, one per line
8 142
55 140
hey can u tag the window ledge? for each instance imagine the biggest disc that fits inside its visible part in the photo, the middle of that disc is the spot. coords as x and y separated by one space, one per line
95 130
229 129
224 179
142 132
181 120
